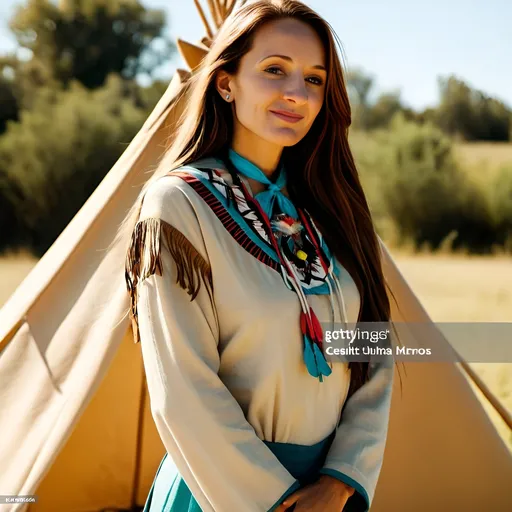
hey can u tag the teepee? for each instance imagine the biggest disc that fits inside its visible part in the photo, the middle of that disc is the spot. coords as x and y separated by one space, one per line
75 424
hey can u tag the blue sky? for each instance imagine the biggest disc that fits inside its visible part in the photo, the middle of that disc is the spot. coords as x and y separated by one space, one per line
405 45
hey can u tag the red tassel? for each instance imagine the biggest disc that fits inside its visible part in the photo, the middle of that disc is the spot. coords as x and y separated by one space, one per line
318 334
304 323
311 327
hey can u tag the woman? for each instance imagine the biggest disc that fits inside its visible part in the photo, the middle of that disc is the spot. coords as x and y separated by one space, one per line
252 234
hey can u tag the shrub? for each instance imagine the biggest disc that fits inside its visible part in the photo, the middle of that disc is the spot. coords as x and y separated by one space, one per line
500 205
59 152
413 179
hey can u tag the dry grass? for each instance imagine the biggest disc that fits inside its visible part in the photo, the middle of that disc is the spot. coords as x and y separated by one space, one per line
487 154
460 289
452 288
468 289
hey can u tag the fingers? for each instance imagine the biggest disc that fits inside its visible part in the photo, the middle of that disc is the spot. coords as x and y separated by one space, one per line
288 502
284 508
344 501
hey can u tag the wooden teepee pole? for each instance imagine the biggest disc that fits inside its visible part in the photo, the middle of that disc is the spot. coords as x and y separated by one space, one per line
219 11
505 414
221 4
215 13
230 4
207 27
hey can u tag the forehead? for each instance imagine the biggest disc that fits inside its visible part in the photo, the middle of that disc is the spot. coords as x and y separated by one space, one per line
291 37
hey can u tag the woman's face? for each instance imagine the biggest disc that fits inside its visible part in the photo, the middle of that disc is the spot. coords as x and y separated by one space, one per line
283 73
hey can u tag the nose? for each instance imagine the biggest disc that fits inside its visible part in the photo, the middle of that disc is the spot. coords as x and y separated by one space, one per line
295 90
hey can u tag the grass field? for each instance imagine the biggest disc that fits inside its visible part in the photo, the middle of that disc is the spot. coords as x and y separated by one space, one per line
452 288
491 154
474 289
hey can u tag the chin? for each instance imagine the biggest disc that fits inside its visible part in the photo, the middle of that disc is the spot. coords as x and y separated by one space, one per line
293 143
285 137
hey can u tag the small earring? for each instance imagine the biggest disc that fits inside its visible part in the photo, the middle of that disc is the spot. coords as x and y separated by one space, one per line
227 96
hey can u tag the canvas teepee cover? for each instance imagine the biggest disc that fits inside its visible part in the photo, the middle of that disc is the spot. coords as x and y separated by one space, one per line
75 421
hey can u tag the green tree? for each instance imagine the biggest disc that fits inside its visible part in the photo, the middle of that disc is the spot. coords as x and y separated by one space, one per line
86 40
470 114
359 86
19 80
55 157
499 190
454 113
380 114
70 106
414 182
9 106
11 225
369 115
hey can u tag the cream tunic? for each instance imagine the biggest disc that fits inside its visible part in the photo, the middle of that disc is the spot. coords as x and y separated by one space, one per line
223 375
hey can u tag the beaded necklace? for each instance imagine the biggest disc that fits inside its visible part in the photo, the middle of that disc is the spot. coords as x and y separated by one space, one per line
281 228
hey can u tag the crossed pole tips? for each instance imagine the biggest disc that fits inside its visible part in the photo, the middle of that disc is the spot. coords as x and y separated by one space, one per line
219 10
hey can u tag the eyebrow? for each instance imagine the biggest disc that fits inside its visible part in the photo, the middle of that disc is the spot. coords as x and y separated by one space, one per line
289 59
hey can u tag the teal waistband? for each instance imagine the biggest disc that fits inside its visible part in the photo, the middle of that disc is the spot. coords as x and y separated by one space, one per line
302 461
170 493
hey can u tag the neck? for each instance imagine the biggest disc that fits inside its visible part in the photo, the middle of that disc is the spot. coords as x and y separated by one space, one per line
261 153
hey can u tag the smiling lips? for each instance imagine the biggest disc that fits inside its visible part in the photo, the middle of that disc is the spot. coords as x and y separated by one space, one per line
287 116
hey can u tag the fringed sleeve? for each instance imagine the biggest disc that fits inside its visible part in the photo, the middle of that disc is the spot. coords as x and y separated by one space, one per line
144 259
224 463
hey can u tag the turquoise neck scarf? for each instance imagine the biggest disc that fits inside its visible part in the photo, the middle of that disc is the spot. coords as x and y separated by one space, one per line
268 197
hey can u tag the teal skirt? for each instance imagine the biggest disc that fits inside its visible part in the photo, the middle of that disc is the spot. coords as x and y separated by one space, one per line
169 492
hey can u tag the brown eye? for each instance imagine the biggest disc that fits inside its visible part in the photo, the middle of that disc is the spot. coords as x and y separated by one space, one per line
273 69
317 80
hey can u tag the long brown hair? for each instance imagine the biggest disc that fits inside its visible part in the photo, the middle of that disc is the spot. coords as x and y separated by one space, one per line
325 179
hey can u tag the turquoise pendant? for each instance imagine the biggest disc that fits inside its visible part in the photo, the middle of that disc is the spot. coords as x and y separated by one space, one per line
315 361
309 358
322 365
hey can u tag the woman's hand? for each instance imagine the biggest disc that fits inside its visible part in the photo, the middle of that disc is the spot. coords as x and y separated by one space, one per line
327 494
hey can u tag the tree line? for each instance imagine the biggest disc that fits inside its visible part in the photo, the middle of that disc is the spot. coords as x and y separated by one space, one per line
463 112
70 103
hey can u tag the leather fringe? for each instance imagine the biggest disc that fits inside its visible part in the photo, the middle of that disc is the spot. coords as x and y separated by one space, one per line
143 259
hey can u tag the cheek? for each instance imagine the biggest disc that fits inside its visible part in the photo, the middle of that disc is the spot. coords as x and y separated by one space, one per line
254 98
316 103
257 94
